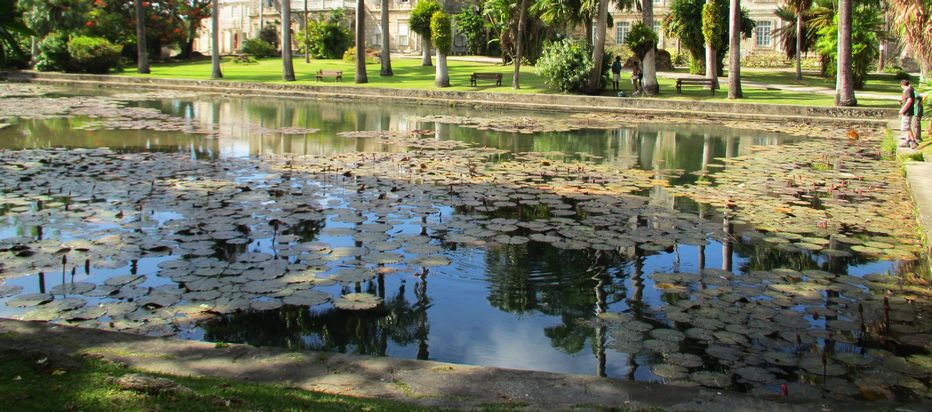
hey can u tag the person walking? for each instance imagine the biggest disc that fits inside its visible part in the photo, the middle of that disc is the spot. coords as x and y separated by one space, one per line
907 108
616 73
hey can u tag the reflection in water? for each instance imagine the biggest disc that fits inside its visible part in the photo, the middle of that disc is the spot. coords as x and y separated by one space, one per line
529 305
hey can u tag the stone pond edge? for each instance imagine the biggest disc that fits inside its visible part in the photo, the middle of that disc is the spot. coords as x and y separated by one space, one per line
422 383
479 99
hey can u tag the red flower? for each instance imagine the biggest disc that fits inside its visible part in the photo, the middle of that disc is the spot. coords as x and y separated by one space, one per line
89 23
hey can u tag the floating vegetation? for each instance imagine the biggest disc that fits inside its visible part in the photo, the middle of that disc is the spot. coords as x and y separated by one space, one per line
166 244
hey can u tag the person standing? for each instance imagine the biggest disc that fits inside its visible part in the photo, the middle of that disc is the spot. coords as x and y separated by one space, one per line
917 118
636 76
616 73
906 113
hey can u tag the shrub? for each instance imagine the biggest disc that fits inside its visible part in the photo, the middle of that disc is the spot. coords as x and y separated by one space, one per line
902 75
565 65
641 39
663 60
619 50
766 60
258 48
244 59
93 54
328 39
53 53
373 56
269 34
681 58
471 23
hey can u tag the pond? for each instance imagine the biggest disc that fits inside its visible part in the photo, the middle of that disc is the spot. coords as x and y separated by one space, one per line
633 247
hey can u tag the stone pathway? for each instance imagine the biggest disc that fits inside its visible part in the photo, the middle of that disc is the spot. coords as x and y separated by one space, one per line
424 383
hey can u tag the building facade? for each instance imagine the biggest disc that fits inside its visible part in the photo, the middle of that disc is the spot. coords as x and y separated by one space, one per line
243 19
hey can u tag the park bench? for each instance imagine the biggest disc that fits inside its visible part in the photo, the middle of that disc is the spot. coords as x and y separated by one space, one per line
336 74
485 76
694 80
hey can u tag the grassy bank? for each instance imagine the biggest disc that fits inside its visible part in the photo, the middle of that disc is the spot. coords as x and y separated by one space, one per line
35 382
409 74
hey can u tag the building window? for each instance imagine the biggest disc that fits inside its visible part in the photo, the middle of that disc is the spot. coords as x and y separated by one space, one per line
657 30
402 34
764 33
377 36
621 32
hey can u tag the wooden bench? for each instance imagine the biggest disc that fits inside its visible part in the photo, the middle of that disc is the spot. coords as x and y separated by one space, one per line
485 76
694 80
336 74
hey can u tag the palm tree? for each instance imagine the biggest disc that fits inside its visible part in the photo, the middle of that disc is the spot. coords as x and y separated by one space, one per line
801 7
420 23
648 63
734 61
142 55
844 79
442 33
386 57
215 41
288 66
361 76
12 24
519 44
598 47
912 20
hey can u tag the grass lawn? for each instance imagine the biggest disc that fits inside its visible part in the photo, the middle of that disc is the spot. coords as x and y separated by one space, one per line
409 74
39 383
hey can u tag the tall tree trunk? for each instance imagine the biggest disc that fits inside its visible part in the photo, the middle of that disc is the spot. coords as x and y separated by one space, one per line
923 70
844 80
287 65
386 58
799 42
307 39
441 75
33 51
215 41
598 48
734 60
883 39
519 45
649 63
142 54
711 60
361 76
425 54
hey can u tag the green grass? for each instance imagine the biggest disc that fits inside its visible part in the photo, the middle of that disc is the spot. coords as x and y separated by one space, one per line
409 74
32 382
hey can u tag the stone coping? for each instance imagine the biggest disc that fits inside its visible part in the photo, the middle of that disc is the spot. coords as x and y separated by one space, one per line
423 383
544 102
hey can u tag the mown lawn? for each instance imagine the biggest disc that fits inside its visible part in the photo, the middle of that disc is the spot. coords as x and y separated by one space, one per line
409 74
32 382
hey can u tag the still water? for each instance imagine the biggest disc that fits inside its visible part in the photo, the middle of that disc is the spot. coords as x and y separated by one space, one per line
529 305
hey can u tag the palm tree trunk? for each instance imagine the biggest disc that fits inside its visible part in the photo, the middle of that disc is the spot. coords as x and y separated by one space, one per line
441 75
519 45
598 48
361 76
287 65
425 54
649 64
711 58
734 60
307 40
142 54
215 41
386 57
844 81
799 42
